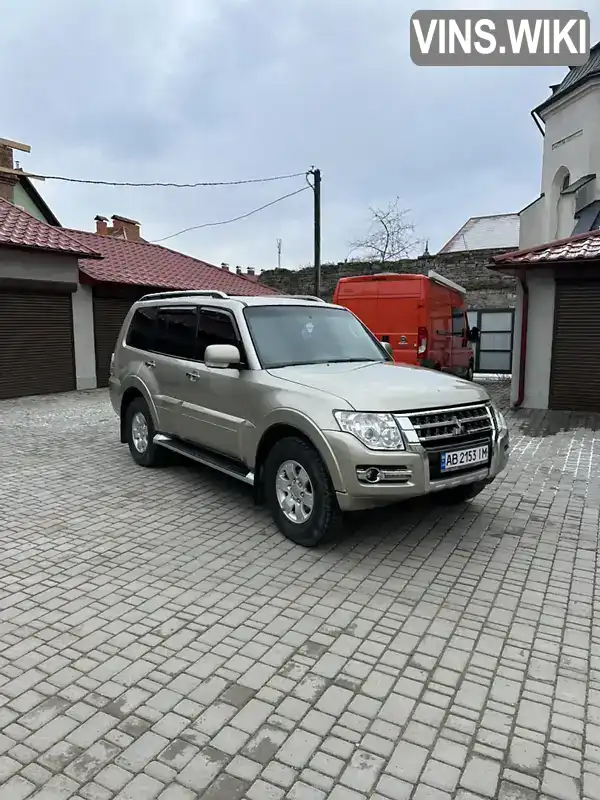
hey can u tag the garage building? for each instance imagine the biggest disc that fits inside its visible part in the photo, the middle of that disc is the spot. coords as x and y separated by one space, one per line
64 294
39 275
556 355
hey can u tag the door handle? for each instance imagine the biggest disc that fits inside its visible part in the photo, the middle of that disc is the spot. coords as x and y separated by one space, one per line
150 364
193 376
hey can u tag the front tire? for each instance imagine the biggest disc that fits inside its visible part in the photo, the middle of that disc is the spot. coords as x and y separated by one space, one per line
470 376
461 494
140 434
299 493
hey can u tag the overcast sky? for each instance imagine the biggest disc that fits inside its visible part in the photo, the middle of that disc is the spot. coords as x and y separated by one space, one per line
209 90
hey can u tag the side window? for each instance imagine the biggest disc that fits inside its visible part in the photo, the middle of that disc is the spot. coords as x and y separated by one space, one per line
216 327
176 332
458 322
141 329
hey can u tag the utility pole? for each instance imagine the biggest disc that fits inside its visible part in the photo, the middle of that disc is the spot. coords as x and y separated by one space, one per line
316 186
278 253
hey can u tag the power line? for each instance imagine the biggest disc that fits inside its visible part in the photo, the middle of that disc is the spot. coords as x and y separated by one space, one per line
158 183
234 219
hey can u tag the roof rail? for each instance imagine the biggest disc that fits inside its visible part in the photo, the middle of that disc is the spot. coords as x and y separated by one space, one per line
311 297
190 293
435 276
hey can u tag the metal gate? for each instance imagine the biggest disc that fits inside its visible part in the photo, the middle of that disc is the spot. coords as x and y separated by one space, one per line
36 344
109 314
575 373
493 353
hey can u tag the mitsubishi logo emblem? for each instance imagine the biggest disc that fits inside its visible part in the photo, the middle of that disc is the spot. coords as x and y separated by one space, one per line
458 426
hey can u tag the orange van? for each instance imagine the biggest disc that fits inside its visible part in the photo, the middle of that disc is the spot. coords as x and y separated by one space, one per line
422 317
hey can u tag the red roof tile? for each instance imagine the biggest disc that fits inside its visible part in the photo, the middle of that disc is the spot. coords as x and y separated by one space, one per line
20 229
143 264
583 247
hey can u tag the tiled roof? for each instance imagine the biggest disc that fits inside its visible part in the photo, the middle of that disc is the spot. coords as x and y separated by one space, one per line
575 77
583 247
143 264
492 232
20 229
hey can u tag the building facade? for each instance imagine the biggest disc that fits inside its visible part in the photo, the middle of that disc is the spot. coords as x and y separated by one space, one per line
556 354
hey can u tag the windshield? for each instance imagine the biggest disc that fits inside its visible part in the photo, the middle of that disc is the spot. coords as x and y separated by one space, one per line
294 335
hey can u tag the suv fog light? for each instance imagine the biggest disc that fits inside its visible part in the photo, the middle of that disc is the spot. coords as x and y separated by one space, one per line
383 474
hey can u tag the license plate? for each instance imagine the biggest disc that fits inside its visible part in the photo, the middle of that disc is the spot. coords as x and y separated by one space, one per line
463 459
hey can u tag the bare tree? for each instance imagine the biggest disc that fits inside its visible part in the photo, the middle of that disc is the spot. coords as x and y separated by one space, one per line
391 235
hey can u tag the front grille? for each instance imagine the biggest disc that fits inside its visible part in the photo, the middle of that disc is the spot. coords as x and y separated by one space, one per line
452 426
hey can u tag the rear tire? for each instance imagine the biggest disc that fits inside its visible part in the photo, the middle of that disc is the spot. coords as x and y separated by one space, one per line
461 494
470 373
299 493
140 431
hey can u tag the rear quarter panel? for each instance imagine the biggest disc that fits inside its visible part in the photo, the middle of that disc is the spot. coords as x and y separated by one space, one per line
127 368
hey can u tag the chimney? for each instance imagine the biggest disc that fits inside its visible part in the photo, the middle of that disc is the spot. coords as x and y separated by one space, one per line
238 271
101 225
225 266
127 228
7 181
250 272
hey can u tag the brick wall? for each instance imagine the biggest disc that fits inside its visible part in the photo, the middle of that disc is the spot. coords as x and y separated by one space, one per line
486 288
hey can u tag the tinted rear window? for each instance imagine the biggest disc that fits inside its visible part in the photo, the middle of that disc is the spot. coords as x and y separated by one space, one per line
142 329
176 332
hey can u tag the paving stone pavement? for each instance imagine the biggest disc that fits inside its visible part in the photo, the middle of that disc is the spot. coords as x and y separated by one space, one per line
160 639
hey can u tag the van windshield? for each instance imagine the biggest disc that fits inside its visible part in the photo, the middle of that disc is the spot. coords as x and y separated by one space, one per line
289 335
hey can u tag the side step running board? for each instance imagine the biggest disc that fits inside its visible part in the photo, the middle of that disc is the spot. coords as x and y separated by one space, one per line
213 460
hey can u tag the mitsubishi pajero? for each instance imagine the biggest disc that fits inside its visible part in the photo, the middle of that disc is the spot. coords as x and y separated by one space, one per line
297 398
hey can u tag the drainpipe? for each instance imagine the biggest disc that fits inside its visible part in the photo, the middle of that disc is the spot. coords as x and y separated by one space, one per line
523 357
536 119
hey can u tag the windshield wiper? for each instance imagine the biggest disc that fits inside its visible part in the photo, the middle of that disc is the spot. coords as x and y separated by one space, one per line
292 364
326 361
353 361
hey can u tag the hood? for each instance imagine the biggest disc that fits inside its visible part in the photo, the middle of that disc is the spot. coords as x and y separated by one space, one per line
384 386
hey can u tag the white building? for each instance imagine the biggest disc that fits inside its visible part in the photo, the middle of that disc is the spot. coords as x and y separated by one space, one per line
556 355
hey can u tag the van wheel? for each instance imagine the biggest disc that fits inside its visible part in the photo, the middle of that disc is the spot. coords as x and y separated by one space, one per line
299 493
140 434
470 373
461 494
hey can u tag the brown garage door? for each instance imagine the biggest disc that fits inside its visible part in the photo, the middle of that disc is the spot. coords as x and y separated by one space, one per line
575 375
109 313
36 344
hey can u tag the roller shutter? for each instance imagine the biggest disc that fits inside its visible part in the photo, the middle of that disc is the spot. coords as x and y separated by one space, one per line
109 313
36 344
575 373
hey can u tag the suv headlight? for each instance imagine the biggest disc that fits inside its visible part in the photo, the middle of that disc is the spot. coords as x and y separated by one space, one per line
375 431
498 418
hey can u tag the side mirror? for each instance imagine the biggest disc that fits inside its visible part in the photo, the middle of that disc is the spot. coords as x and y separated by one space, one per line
221 356
388 348
474 335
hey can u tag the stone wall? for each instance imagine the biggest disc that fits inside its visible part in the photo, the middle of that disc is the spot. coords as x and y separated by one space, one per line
485 288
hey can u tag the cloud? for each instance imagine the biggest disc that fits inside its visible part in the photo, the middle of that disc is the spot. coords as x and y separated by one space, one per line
227 89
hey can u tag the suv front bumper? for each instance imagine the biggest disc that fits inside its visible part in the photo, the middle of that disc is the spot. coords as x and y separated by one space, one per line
407 472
